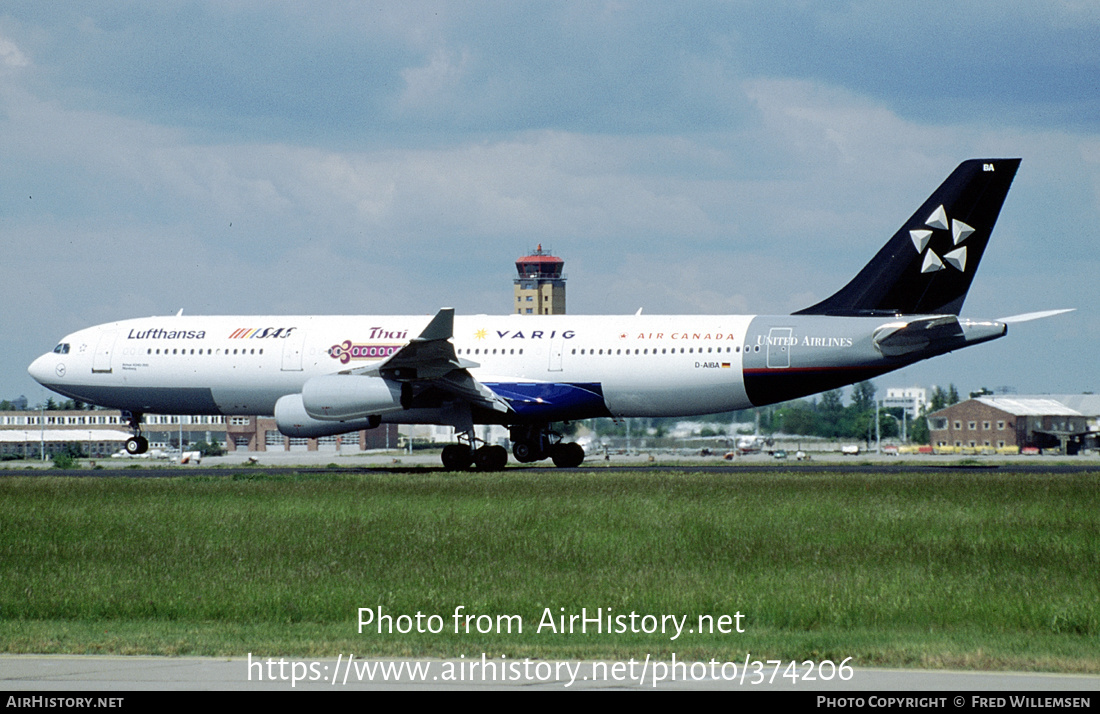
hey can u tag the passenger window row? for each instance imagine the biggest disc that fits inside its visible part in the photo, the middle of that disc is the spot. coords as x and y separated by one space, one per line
202 351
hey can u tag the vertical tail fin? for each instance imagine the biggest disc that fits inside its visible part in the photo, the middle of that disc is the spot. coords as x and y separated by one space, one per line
927 267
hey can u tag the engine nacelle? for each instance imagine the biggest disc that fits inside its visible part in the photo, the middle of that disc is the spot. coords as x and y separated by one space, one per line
340 397
292 420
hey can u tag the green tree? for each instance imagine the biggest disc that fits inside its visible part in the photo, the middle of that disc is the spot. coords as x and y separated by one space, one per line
831 402
67 457
831 414
800 418
943 398
863 397
918 430
890 422
768 421
208 449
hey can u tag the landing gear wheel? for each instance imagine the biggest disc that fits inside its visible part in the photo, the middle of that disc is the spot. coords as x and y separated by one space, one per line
457 457
137 445
526 452
567 456
491 458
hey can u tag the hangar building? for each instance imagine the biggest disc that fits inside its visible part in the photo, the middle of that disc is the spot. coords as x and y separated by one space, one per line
103 432
1070 423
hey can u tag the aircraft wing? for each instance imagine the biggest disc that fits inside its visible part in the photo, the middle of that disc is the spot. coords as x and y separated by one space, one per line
429 360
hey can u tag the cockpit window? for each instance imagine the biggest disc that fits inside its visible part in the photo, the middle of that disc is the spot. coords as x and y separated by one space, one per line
62 349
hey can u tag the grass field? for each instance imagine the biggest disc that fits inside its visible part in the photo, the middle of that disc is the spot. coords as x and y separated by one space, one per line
976 570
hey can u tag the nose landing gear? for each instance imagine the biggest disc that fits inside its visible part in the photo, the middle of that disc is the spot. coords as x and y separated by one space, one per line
136 444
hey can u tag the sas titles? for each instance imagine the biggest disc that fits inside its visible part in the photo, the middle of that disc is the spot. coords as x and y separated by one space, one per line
258 333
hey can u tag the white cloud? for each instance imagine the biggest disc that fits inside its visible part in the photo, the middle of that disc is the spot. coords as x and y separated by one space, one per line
434 87
10 55
667 177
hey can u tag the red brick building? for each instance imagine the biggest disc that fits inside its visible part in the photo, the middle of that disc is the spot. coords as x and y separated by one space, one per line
253 433
1004 422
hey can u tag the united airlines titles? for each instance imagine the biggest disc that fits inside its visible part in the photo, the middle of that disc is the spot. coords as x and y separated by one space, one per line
806 341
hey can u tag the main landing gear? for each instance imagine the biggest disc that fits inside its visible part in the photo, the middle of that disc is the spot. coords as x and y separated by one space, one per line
534 443
529 444
136 444
460 456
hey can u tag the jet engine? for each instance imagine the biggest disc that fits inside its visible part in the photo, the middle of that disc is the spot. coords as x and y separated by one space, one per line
340 397
336 404
292 420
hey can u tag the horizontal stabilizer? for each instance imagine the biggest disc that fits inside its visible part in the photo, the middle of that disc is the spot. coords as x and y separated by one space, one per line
899 338
934 335
1029 316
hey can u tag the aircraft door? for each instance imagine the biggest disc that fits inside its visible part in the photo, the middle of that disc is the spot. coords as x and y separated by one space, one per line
556 347
292 351
779 347
101 361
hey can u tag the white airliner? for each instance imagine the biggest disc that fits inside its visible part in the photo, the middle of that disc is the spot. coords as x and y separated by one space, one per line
325 375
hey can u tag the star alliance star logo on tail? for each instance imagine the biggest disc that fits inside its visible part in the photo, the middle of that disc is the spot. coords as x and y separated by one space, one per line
923 236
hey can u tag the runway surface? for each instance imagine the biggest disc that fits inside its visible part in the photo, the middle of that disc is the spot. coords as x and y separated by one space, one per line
144 673
322 462
117 673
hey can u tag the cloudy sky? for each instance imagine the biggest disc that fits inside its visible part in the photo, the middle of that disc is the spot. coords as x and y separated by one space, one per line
394 157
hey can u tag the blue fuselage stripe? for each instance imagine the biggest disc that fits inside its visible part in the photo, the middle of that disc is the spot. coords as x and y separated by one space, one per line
553 400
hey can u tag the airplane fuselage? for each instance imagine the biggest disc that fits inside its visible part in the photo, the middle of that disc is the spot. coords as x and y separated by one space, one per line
322 376
550 368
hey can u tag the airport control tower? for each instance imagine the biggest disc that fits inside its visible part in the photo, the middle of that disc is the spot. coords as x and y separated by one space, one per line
540 286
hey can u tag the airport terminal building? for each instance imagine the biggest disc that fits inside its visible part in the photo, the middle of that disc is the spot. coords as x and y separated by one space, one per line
102 432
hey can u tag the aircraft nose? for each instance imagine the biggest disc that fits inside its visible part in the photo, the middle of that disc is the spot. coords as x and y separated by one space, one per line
46 369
